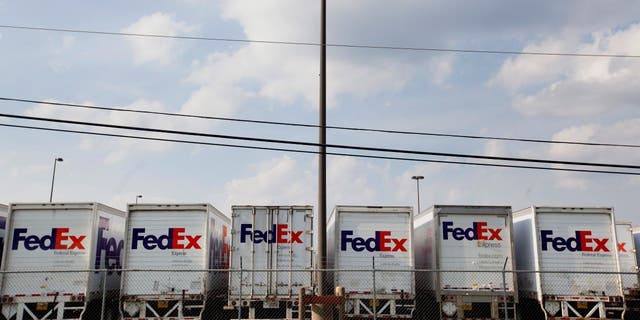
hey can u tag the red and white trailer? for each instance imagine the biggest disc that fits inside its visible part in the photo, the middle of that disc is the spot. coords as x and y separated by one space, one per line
568 266
271 259
61 260
467 254
370 249
175 259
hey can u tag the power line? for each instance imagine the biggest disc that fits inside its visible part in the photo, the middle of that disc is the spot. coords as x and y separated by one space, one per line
311 144
307 125
336 45
313 152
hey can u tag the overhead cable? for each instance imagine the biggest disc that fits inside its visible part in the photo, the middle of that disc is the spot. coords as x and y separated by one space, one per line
307 125
114 135
314 44
311 144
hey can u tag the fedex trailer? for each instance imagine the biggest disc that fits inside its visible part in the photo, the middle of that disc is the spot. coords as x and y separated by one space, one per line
3 226
271 259
628 269
370 250
61 261
466 253
636 241
175 258
568 263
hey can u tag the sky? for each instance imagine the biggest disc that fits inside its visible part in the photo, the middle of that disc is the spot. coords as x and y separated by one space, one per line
593 99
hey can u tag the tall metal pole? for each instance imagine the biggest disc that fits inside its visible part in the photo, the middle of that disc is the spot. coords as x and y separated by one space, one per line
322 159
322 312
418 178
418 190
53 177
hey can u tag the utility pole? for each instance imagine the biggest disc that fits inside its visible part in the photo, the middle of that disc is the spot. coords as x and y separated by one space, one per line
322 312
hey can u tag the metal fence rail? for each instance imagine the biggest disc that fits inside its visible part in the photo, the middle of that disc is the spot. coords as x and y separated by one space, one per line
287 293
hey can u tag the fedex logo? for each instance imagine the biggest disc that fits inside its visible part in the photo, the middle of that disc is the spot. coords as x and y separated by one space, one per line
279 233
108 249
478 231
622 247
58 239
174 239
583 241
382 241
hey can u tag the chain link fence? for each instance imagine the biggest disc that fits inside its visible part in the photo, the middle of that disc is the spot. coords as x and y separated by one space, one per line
290 294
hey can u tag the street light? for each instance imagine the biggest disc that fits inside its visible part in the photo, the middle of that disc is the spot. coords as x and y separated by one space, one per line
53 178
417 179
138 197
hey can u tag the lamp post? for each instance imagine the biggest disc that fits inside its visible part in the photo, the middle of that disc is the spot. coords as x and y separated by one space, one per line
138 197
53 178
417 179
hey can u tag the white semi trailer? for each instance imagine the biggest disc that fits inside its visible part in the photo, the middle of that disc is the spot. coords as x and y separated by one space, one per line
466 253
61 261
3 226
271 259
370 249
176 256
628 269
568 263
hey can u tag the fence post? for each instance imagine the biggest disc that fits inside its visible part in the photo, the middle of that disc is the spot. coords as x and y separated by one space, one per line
104 294
375 299
301 305
340 293
240 284
504 289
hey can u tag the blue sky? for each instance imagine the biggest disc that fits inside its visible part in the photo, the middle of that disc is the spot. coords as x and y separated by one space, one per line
587 99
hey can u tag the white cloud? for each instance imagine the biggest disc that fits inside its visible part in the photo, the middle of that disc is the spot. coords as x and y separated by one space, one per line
277 181
404 188
622 132
285 180
570 86
571 181
156 51
116 149
354 182
289 74
215 100
494 148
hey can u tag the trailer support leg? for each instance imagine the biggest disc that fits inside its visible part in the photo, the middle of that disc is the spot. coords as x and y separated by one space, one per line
60 310
494 308
603 313
20 311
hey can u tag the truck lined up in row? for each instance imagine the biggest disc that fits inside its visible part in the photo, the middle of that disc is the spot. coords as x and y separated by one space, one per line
271 258
573 259
51 258
629 265
187 261
190 239
471 243
3 225
376 238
